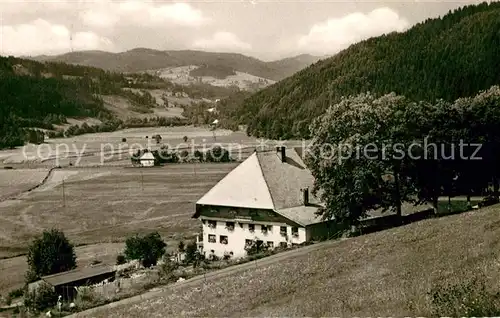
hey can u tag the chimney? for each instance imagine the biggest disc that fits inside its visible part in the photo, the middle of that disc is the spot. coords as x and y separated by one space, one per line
306 196
283 154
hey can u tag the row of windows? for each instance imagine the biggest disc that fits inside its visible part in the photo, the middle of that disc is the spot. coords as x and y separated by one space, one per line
223 239
250 212
251 227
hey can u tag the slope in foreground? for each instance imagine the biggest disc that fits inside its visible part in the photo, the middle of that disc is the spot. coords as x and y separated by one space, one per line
386 274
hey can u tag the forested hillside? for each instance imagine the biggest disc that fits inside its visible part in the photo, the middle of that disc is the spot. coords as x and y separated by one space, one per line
38 95
449 57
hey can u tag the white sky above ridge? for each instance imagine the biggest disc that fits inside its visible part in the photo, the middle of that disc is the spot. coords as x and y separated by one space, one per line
263 29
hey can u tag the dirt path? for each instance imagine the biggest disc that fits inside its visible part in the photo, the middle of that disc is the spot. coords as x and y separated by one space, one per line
165 290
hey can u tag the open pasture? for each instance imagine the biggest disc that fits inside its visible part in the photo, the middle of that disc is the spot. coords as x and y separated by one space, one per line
384 274
97 205
108 148
102 206
13 182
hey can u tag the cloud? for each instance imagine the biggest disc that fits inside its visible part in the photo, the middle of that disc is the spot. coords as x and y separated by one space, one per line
336 34
145 14
42 37
222 42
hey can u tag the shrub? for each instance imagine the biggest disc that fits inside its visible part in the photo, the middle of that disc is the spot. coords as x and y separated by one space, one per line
50 254
87 297
181 246
218 154
120 259
148 249
168 268
185 138
191 250
255 248
41 298
124 139
466 299
16 293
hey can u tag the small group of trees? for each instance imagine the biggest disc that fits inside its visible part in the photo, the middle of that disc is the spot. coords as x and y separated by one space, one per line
147 249
51 253
166 155
373 152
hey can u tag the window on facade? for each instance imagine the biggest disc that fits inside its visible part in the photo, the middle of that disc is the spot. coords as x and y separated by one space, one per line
212 224
270 244
283 244
283 230
230 226
223 239
295 231
263 229
212 238
203 221
251 227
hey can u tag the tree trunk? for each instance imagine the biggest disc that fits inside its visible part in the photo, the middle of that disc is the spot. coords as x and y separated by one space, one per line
435 204
469 204
495 187
397 194
449 204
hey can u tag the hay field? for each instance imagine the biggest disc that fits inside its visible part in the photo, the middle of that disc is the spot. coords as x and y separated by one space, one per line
107 204
384 274
13 182
87 148
104 205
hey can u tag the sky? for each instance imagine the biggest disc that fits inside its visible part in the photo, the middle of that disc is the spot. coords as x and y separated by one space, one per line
263 29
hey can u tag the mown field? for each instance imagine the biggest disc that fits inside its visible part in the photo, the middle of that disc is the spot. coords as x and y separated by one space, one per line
109 148
385 274
13 182
105 205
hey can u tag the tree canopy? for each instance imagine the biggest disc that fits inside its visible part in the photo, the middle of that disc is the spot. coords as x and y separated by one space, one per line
372 152
51 253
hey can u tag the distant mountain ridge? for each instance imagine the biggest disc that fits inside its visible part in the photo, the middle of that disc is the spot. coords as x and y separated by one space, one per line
142 59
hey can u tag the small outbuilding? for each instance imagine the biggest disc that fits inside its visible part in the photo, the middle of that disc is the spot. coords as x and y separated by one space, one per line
66 284
147 159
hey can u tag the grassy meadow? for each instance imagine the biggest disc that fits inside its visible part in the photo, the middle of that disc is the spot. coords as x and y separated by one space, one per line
388 273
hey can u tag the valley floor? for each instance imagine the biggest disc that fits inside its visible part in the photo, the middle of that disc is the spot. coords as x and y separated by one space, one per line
388 273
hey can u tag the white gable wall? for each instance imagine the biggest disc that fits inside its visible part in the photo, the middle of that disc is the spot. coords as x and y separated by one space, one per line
244 186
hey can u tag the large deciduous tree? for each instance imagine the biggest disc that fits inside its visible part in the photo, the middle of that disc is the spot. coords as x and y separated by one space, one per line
50 254
356 156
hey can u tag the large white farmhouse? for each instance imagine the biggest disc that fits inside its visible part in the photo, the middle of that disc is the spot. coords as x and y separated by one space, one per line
266 198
